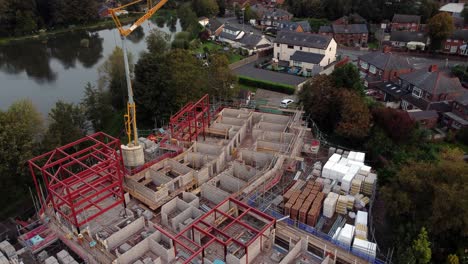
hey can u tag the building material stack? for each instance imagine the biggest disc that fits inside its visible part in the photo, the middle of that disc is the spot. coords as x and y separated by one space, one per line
341 204
350 203
3 259
329 206
290 203
314 212
64 257
361 225
368 184
364 247
345 237
8 250
356 185
51 260
295 209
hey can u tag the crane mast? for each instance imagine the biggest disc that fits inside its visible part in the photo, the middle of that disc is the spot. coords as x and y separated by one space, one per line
130 116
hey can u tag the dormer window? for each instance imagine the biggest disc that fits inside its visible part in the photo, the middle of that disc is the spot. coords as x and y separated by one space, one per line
417 92
372 69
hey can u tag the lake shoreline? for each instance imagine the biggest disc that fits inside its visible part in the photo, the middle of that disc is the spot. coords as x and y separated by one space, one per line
102 24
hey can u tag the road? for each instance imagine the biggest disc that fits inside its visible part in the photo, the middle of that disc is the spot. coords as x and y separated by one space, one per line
418 61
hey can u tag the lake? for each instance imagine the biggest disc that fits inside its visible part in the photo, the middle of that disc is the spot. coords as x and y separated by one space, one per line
59 68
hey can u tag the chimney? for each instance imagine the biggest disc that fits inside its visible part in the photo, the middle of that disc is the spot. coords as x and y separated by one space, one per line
433 68
387 49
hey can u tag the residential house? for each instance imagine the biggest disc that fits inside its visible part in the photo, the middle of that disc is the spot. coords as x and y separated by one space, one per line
409 40
215 27
231 35
255 43
351 34
454 9
457 118
353 18
270 17
405 22
430 89
203 21
298 26
310 52
427 119
378 67
457 43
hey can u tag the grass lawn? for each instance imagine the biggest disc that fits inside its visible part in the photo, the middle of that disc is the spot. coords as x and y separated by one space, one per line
234 57
373 45
453 145
249 88
214 47
211 46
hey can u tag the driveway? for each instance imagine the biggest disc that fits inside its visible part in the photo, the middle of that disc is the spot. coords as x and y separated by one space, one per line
273 98
249 70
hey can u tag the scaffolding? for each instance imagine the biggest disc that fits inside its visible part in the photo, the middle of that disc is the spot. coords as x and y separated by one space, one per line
83 179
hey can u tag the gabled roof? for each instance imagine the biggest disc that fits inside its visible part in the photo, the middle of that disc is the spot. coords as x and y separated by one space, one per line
353 18
303 39
386 61
453 7
252 40
231 28
326 29
463 99
422 115
214 24
460 34
433 82
292 26
399 18
308 57
276 12
408 36
350 29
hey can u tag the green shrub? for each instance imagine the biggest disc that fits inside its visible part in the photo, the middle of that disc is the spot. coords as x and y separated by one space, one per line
271 86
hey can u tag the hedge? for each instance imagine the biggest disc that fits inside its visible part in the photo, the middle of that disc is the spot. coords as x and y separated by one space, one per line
275 87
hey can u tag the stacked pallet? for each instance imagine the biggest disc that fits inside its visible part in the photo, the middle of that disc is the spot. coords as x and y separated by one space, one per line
350 203
291 202
368 184
346 235
315 209
329 205
355 185
297 186
295 209
304 210
364 247
341 204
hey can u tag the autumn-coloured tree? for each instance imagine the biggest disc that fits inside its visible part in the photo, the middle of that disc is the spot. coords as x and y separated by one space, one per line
355 118
396 123
440 28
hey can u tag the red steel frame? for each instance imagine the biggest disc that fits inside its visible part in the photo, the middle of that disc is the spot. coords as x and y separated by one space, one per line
81 175
191 120
195 250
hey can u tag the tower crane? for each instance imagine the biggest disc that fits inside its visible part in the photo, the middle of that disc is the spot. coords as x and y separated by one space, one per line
132 153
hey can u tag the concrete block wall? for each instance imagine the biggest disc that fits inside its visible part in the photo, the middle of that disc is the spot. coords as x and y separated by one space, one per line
155 244
213 194
122 235
230 183
178 221
270 146
254 250
277 119
202 175
136 252
159 178
196 160
191 199
265 178
243 171
255 159
275 137
207 149
221 126
231 121
294 250
270 126
170 207
145 191
179 168
239 113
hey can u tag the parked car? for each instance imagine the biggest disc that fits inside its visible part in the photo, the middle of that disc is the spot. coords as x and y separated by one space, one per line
286 102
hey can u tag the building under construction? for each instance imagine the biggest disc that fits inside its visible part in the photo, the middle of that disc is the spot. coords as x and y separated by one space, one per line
224 187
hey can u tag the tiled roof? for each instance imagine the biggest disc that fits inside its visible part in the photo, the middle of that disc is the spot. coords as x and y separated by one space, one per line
422 115
325 29
460 34
408 36
303 39
292 26
436 82
251 40
463 99
308 57
386 61
399 18
453 7
350 29
214 24
392 89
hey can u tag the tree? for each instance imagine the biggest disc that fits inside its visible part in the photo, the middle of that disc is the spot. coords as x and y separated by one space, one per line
189 20
348 77
428 8
422 248
465 14
73 11
67 123
440 28
20 129
181 40
206 8
395 123
355 117
157 41
112 77
222 7
97 107
221 81
453 259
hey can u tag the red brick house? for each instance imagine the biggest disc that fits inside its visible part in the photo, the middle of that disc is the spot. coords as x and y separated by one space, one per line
350 19
347 34
405 22
458 117
430 89
457 43
428 119
378 67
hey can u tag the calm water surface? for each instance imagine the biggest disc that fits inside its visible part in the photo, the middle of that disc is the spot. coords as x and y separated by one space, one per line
59 68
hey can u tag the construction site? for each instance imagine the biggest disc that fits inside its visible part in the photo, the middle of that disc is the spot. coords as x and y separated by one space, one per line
220 185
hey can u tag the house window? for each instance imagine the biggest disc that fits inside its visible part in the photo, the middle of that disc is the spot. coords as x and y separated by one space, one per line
290 47
364 65
417 92
300 48
372 69
297 64
277 44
